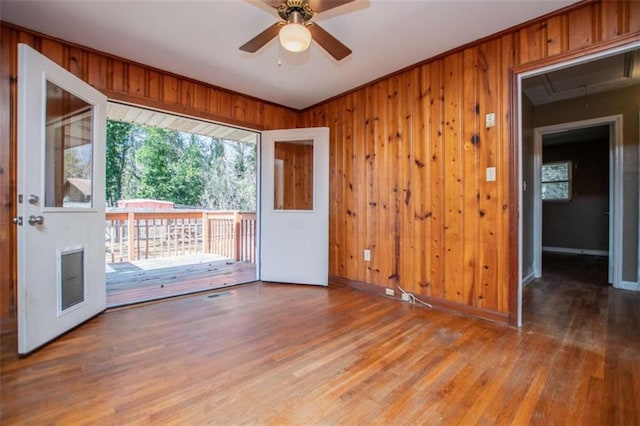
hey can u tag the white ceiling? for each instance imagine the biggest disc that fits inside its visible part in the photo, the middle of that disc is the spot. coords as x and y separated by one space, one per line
597 76
200 39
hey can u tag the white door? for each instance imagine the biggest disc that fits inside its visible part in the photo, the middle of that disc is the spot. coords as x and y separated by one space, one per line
294 209
60 214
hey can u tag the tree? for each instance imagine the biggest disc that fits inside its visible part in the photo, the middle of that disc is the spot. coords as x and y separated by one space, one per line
230 177
154 162
187 175
188 169
119 144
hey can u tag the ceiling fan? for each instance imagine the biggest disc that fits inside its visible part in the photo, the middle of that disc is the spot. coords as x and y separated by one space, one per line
296 29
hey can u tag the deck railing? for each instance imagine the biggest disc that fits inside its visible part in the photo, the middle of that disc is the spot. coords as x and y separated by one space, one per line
134 235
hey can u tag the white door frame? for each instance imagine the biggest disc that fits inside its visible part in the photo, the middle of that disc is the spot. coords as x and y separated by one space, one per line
521 76
615 189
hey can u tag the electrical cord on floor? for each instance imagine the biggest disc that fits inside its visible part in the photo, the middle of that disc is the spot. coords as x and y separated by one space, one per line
413 299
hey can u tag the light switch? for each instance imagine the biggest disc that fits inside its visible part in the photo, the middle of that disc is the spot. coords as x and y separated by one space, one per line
491 174
490 120
367 255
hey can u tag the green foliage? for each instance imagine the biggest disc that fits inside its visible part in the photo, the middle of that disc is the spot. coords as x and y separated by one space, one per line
230 179
154 161
188 169
119 143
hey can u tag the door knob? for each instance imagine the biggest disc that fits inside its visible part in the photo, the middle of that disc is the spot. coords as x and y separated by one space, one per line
33 199
36 220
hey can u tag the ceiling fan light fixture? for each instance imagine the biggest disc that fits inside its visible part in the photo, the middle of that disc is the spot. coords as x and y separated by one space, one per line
295 37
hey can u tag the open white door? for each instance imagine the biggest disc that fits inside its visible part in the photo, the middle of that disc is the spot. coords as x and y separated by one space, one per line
61 149
294 199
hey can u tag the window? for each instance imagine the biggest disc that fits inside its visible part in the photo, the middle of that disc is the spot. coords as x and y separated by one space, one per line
556 181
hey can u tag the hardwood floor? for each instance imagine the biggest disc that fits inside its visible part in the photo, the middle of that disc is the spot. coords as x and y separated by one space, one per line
282 354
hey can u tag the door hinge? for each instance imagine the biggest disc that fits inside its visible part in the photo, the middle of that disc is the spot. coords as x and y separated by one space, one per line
18 220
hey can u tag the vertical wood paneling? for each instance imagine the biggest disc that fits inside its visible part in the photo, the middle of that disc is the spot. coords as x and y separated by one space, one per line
186 94
100 77
472 142
412 269
154 83
136 81
225 103
200 101
118 76
349 176
213 99
453 196
611 12
556 35
436 126
488 202
500 231
419 176
581 27
405 268
431 217
239 107
339 240
532 42
631 17
359 192
76 64
372 180
389 187
52 50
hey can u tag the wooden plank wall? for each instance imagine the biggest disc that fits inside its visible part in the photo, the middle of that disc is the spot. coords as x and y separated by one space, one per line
120 80
408 160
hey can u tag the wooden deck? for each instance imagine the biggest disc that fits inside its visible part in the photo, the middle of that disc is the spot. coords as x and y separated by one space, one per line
285 354
141 281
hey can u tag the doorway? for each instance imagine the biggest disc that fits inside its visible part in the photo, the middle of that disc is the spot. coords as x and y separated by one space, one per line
181 211
588 92
576 192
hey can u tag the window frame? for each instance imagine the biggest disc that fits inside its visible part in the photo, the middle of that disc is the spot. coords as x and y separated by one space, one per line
569 181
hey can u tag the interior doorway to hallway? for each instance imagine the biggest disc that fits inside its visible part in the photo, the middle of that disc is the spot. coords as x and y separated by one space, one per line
602 94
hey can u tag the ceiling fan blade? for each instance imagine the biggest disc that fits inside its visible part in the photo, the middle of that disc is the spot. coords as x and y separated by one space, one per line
261 39
328 42
323 5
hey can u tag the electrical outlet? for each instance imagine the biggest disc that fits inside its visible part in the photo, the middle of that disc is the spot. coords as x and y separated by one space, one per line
389 291
367 255
406 297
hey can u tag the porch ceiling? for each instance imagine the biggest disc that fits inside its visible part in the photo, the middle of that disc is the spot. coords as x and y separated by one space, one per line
146 117
200 39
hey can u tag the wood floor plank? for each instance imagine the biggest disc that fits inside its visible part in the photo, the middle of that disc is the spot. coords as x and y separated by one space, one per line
284 354
130 285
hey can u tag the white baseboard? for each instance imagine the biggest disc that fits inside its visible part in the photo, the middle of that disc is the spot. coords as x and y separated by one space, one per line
569 250
528 278
628 285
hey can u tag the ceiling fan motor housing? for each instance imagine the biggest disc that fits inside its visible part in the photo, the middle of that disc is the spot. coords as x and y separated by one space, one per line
287 7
